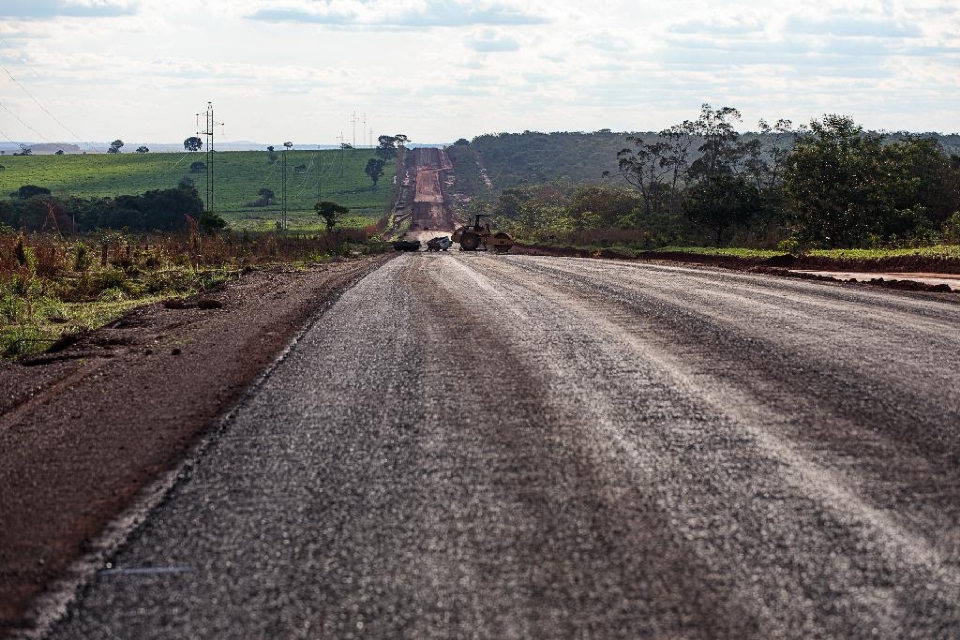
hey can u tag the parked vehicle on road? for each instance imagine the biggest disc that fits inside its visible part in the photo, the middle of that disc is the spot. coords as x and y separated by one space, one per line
407 245
440 243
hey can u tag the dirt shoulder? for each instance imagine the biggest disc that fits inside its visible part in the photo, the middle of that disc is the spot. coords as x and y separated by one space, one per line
787 265
85 430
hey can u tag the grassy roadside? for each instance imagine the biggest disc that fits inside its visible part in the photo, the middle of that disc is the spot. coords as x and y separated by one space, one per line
935 251
51 287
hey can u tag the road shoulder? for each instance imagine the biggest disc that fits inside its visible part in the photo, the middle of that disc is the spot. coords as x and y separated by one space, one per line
87 430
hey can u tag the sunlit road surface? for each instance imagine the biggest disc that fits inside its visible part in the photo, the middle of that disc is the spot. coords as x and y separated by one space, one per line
470 445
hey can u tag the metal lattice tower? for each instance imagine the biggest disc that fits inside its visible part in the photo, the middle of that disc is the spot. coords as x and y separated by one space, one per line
208 133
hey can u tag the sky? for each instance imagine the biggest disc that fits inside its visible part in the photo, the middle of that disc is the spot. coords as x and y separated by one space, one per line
78 71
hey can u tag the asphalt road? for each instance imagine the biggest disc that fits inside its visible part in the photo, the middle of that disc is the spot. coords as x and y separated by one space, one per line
470 445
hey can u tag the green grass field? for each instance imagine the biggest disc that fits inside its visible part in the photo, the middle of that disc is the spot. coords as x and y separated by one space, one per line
238 177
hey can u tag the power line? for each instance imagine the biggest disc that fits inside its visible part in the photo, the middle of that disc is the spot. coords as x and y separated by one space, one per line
43 108
20 120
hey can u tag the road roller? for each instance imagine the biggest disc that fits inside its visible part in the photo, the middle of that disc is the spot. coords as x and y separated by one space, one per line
478 237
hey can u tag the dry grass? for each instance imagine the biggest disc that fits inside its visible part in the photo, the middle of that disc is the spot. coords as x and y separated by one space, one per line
50 285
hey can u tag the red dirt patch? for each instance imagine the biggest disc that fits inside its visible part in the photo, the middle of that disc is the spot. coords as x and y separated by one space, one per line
784 265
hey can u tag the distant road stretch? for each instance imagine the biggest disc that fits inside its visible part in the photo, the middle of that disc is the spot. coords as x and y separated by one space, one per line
469 445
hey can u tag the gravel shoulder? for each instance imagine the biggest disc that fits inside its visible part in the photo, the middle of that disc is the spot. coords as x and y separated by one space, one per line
85 431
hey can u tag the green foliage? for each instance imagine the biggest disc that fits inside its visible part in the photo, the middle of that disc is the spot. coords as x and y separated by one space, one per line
374 169
702 181
193 143
211 222
83 259
160 210
331 212
29 191
720 202
386 147
951 229
850 188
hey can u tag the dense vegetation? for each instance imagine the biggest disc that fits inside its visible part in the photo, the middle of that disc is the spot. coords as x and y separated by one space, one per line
829 184
242 179
169 210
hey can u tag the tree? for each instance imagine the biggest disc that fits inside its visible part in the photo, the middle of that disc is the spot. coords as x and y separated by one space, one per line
143 150
676 156
834 182
59 152
374 169
612 207
782 138
197 167
331 212
193 143
386 147
211 222
722 201
30 190
645 168
115 146
462 142
265 197
401 139
721 150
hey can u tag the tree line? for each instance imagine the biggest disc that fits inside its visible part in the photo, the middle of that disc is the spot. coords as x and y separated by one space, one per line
33 208
826 184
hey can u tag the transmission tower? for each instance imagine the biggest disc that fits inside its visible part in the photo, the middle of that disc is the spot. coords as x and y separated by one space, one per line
283 182
319 174
210 124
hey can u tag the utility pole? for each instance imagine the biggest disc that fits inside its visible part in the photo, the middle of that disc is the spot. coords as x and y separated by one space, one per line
283 182
319 174
208 132
354 121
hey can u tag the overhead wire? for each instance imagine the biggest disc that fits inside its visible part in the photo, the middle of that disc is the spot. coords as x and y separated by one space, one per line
53 117
20 120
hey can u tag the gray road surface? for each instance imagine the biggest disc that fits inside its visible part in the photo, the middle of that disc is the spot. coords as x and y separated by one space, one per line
521 447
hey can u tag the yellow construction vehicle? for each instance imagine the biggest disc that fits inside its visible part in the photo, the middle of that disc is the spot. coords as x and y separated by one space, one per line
479 237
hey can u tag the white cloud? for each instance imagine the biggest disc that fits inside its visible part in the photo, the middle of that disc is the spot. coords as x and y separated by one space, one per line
383 13
492 41
46 9
141 69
